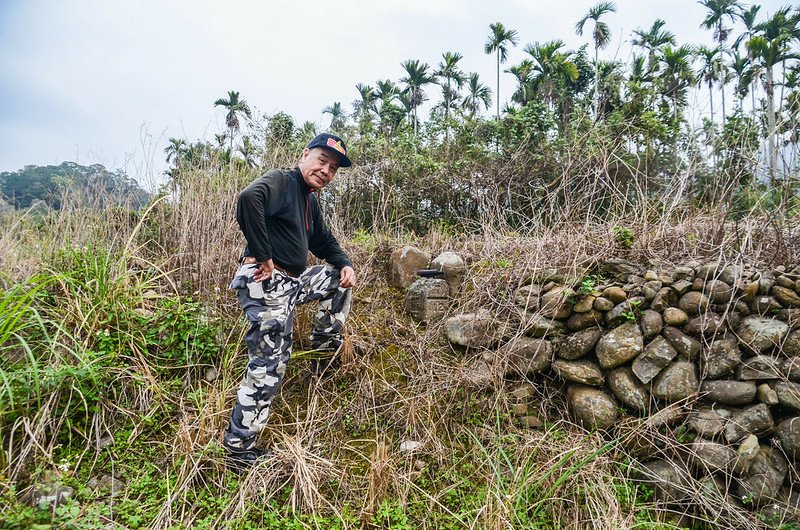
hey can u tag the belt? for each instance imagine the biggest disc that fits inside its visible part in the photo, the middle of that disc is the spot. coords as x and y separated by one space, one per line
250 260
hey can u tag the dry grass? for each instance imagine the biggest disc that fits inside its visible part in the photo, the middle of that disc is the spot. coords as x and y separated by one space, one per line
337 437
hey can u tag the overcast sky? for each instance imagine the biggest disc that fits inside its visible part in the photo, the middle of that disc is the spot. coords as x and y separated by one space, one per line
108 81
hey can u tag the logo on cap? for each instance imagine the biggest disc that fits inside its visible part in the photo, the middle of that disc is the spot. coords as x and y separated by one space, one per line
336 145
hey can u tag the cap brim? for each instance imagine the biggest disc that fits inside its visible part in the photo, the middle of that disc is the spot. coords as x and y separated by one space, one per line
343 160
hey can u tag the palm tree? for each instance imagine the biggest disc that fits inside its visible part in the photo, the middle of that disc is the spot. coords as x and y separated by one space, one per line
497 43
610 82
365 105
653 40
417 76
307 131
525 90
740 66
248 150
451 74
235 107
769 47
709 72
555 69
601 36
677 75
175 150
389 114
718 11
477 94
386 90
338 116
748 18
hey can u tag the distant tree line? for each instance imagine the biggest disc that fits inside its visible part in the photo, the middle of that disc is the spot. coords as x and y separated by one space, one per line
571 119
92 185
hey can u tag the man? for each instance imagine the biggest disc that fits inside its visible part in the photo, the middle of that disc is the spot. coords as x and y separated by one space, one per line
281 221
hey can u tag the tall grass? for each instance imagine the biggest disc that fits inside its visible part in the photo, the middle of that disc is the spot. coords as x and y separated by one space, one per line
122 351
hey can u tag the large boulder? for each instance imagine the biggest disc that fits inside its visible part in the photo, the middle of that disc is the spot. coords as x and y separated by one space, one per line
759 334
452 265
404 264
686 346
721 358
709 423
788 394
676 382
593 409
581 371
760 367
712 456
670 480
788 432
656 356
619 345
756 420
729 392
557 302
627 388
762 481
527 356
576 345
473 330
427 299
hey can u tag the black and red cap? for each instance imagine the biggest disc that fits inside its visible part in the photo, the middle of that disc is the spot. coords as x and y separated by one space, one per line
333 143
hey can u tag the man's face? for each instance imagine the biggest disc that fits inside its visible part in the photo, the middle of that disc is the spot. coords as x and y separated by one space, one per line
318 166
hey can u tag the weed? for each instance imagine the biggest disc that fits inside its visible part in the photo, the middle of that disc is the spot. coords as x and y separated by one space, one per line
634 312
623 235
587 286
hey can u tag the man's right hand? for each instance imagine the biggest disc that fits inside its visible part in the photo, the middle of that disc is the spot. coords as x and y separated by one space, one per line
264 271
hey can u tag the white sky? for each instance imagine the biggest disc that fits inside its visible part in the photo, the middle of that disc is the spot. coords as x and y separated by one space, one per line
108 81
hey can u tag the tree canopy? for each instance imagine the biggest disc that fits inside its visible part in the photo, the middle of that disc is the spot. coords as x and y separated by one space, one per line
94 184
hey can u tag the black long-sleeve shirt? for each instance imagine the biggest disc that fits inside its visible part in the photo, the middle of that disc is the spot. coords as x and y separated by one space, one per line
281 220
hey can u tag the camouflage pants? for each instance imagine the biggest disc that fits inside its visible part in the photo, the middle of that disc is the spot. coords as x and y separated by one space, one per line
269 307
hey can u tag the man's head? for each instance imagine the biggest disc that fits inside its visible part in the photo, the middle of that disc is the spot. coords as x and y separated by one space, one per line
323 156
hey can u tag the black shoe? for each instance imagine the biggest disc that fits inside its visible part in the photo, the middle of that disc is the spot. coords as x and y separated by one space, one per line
240 461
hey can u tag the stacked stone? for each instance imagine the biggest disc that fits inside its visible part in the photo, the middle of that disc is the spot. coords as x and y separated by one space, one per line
427 299
714 348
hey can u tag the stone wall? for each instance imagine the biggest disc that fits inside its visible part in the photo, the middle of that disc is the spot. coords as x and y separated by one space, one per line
695 369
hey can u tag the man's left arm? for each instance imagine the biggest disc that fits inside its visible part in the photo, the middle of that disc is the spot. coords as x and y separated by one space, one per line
323 244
